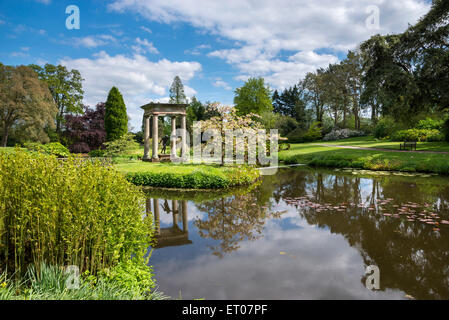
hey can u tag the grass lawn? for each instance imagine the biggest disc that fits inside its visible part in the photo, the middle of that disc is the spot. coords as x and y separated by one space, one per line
326 156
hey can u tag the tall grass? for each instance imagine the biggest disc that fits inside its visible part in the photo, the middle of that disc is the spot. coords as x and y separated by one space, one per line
49 283
69 212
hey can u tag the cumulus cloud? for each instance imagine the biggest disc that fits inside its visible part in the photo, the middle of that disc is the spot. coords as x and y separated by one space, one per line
266 28
219 83
144 46
138 78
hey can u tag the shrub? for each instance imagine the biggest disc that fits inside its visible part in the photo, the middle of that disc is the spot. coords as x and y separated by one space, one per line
49 282
342 134
70 212
385 127
53 148
430 124
80 147
96 153
445 129
197 179
120 146
421 135
299 135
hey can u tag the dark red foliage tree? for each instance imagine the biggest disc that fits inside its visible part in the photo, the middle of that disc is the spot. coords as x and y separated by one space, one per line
86 131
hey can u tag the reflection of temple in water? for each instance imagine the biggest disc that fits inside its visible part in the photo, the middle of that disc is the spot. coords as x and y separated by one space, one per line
174 235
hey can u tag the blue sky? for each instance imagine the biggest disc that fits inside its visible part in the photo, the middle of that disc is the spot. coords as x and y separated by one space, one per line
214 46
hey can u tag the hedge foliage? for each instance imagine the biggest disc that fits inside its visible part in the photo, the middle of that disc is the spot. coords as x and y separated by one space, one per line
53 148
70 212
421 135
197 179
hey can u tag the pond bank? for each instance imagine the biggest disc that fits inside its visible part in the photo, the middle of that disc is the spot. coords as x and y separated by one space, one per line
321 155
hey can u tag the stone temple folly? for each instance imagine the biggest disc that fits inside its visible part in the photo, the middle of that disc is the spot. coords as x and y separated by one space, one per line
154 110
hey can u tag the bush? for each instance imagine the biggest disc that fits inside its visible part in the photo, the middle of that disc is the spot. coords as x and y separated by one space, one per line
134 281
385 127
430 124
420 135
80 147
120 146
197 179
299 135
445 130
96 153
70 212
53 148
342 134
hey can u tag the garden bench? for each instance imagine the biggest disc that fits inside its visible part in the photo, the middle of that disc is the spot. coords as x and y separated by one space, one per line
408 145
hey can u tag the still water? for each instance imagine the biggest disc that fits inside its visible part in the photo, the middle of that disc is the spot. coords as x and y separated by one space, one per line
305 234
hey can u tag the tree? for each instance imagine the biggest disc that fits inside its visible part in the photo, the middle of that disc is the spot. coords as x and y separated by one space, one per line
25 102
291 103
177 94
65 87
314 93
87 131
253 97
116 119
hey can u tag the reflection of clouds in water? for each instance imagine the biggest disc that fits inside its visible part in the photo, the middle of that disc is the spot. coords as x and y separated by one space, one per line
316 265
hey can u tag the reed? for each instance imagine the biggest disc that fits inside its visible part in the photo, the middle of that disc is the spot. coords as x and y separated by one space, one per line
70 212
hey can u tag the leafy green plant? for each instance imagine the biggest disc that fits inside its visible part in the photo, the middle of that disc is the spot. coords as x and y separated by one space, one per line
430 124
73 212
418 135
49 282
53 148
120 146
96 153
385 127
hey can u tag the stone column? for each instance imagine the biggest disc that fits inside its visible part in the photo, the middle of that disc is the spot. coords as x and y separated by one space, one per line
174 207
155 156
146 138
156 215
185 222
173 137
184 135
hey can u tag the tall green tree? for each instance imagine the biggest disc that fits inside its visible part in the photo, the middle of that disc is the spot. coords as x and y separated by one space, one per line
66 89
291 103
116 118
25 103
253 97
315 94
177 94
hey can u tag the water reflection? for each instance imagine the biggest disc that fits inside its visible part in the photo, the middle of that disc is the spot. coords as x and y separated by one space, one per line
172 235
308 234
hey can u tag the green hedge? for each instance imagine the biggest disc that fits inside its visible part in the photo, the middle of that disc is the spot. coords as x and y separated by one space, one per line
70 212
421 135
53 148
197 179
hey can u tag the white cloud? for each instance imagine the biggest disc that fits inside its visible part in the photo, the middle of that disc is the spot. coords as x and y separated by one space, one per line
266 28
44 1
196 51
91 41
146 29
137 78
219 83
143 46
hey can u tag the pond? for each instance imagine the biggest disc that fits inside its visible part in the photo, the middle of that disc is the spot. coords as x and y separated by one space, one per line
306 234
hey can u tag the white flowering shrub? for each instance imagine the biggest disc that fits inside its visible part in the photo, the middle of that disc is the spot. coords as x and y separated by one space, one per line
339 134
